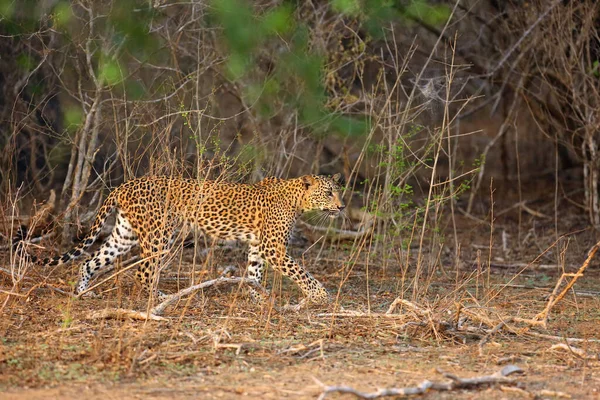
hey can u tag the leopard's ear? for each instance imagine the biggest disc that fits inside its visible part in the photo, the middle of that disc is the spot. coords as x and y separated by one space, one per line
336 177
308 180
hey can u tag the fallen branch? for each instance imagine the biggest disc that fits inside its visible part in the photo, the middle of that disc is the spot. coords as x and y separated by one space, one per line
488 336
575 351
175 297
155 312
541 319
360 314
518 265
333 233
366 222
426 385
121 313
554 297
562 338
419 310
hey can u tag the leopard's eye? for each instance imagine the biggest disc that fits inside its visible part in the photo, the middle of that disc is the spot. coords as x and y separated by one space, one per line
330 193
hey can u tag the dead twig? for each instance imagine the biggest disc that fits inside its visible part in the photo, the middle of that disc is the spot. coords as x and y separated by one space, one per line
491 333
360 314
552 393
562 338
531 267
542 317
580 353
155 312
121 313
303 351
173 298
426 385
366 224
419 310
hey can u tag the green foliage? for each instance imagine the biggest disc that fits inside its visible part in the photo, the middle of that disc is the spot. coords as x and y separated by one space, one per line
348 7
25 62
120 29
7 8
135 90
378 14
110 72
63 14
291 83
278 20
596 68
130 22
430 14
296 80
73 117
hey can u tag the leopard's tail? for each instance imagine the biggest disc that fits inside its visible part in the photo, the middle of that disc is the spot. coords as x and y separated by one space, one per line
107 208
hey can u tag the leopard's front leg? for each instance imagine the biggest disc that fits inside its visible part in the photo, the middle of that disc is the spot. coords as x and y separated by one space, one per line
276 255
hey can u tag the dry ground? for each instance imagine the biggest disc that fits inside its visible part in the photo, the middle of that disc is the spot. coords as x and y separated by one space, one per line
219 345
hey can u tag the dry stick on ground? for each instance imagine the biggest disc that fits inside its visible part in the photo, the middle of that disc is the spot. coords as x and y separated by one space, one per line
334 233
155 312
412 306
160 308
563 338
542 317
539 320
388 314
426 385
491 333
580 353
120 313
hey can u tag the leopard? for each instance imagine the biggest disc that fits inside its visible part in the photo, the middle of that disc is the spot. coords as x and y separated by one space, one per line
151 210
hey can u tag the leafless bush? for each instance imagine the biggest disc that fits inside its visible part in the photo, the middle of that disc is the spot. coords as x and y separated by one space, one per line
562 80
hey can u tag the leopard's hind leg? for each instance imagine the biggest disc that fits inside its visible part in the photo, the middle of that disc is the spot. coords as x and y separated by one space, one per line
256 269
121 240
154 250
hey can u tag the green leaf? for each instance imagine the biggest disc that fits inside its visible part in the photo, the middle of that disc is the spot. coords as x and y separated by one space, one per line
7 8
348 7
135 90
378 14
73 118
278 20
433 15
62 14
131 23
252 93
237 64
25 62
110 72
351 126
240 26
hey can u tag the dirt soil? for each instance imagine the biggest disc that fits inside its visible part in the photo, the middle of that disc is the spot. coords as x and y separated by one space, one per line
218 344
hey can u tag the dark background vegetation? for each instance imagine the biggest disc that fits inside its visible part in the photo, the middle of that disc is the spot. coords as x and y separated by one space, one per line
467 135
395 94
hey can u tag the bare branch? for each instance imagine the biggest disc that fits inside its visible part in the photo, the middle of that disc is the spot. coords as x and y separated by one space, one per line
426 386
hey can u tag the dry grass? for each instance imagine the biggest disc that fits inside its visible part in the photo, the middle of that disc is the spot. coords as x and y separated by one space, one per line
462 283
217 343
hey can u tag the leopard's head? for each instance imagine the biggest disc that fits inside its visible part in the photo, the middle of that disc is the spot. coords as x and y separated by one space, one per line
322 193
